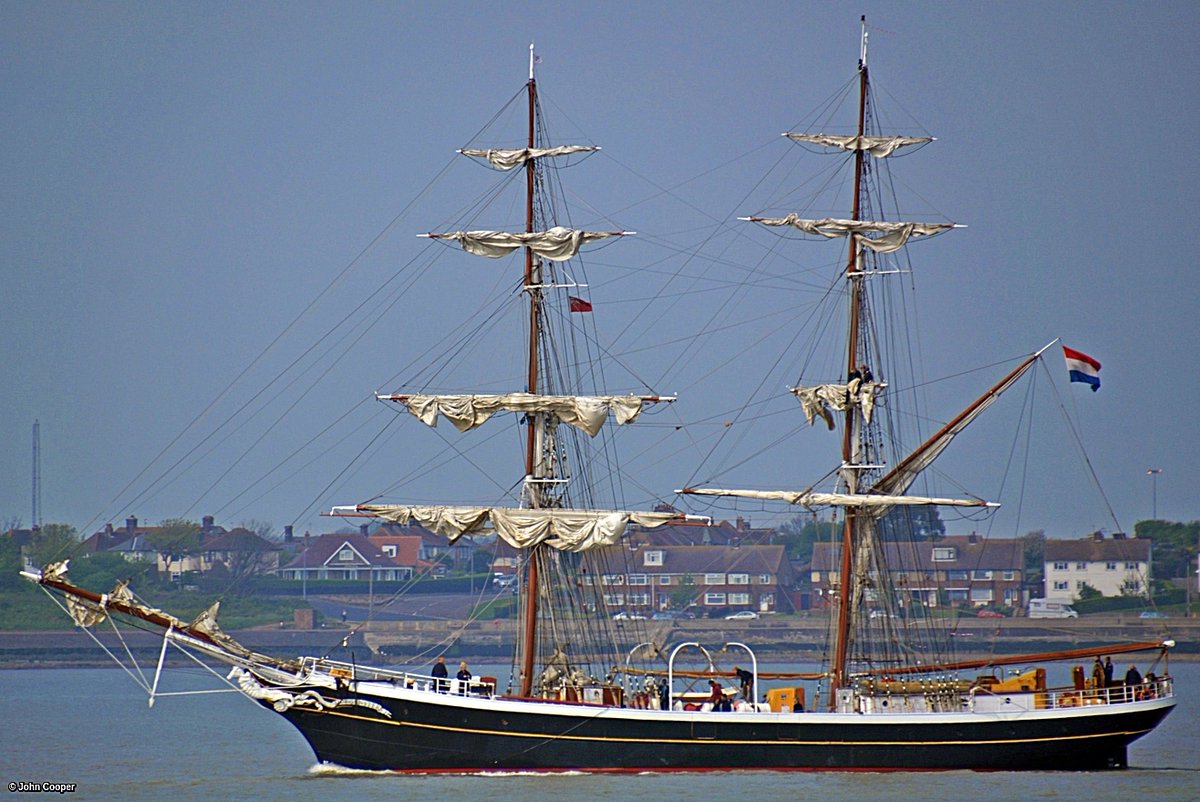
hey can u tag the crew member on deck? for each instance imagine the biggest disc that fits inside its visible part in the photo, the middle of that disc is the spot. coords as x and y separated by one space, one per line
439 674
747 680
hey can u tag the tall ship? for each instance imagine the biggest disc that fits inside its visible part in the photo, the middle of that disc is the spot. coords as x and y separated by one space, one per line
576 699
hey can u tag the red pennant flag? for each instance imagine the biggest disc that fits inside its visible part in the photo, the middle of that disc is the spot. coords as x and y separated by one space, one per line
579 305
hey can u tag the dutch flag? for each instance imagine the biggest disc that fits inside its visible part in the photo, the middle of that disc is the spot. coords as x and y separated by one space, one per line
1082 367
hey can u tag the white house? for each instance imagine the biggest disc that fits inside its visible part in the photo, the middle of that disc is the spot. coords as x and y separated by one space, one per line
1117 566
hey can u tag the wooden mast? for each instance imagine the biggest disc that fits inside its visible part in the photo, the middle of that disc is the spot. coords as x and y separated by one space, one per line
849 436
532 287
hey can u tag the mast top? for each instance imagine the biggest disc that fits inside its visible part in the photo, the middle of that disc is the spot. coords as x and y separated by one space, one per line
862 58
533 60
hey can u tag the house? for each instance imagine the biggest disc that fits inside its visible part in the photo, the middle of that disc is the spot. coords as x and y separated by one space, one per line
347 556
700 533
1115 566
434 548
711 579
953 570
129 541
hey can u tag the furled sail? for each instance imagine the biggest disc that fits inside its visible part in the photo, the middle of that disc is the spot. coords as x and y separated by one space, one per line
809 498
557 244
878 146
823 399
567 530
879 236
587 413
508 158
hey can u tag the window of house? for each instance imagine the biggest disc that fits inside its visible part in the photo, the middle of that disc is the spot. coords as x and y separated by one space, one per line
739 598
639 599
1080 566
981 574
764 579
816 577
653 558
346 555
716 599
1110 566
943 553
1060 566
739 579
714 579
1061 585
638 579
981 594
1130 566
389 550
1008 576
614 599
612 579
956 575
664 579
957 595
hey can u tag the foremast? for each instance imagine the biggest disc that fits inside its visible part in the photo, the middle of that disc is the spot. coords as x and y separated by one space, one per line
535 468
545 518
853 416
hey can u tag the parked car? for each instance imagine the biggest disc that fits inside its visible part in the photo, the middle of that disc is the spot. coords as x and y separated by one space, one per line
989 614
624 616
1153 614
744 615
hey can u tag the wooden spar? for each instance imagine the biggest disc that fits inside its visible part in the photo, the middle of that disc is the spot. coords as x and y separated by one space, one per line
530 589
157 618
1018 659
884 485
842 641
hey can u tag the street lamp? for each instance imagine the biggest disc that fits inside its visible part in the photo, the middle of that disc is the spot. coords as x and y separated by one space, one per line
1153 474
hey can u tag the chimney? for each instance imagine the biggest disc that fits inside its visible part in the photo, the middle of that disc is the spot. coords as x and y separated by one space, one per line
206 523
972 538
362 530
108 530
288 537
1098 536
131 524
741 524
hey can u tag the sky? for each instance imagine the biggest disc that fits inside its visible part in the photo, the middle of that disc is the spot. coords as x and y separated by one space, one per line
202 199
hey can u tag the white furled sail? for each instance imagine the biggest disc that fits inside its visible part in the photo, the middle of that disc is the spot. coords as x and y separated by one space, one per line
508 158
567 530
557 244
809 498
878 146
879 236
466 412
822 400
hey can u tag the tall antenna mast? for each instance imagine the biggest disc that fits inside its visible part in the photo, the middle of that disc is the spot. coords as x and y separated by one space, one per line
36 517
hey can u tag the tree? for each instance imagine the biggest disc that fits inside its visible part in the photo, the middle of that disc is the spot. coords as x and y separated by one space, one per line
175 537
800 533
51 543
912 523
1174 546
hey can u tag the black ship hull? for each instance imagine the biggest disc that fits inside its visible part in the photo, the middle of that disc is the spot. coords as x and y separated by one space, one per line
479 735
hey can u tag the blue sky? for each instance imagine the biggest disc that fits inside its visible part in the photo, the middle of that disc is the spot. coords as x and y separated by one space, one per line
179 183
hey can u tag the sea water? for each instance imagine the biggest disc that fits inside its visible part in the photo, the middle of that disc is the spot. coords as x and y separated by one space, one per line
92 729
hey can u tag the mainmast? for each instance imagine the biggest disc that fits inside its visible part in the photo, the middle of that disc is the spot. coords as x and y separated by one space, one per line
851 437
533 446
